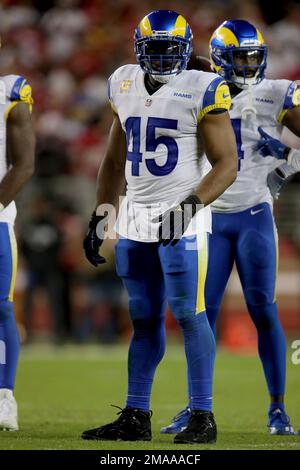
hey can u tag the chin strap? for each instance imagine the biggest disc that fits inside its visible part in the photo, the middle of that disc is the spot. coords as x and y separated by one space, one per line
164 78
249 109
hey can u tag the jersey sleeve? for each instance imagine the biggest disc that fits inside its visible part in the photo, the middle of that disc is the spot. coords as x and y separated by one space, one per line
291 100
294 161
216 96
21 91
18 90
110 94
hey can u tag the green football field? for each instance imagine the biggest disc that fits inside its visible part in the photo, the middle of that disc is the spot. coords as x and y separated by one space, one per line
63 391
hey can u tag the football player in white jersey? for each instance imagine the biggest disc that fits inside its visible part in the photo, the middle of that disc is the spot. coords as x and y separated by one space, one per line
243 228
16 167
164 116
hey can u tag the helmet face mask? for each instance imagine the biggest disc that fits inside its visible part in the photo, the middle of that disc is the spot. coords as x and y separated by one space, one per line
243 64
162 56
162 53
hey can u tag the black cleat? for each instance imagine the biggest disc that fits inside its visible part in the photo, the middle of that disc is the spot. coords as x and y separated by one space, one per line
132 425
201 429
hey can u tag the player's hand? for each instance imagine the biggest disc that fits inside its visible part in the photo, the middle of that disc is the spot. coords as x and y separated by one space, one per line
174 222
268 146
94 239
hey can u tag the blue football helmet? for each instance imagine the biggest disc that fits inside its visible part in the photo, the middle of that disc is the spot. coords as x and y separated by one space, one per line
238 53
163 44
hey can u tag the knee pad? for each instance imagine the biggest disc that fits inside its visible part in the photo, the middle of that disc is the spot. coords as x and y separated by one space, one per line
265 317
151 331
182 307
143 315
145 310
257 296
139 308
147 324
6 310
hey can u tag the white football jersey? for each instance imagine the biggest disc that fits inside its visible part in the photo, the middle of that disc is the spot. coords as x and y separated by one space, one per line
13 89
165 158
264 106
294 159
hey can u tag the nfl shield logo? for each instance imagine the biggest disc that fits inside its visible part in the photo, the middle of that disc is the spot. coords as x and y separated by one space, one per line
148 102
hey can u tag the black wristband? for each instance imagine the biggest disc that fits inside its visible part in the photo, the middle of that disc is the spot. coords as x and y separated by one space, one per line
95 219
194 201
286 152
280 173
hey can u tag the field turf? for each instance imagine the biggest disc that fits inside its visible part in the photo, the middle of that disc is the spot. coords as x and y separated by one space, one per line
63 391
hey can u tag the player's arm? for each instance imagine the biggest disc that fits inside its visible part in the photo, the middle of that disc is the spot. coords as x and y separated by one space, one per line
20 152
220 148
111 175
110 185
219 142
290 118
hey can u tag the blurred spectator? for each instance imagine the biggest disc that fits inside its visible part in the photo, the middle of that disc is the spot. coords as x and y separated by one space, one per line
284 36
40 242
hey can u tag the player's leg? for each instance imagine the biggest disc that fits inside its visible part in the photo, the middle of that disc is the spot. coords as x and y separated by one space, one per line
9 337
184 267
256 261
220 263
139 267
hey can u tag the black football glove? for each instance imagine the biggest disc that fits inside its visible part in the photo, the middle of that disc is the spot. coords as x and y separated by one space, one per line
94 239
175 221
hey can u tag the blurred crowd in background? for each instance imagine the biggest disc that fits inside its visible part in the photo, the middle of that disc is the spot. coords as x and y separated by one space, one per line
67 49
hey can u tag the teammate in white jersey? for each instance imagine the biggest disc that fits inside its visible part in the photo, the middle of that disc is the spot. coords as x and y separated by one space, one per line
16 167
163 121
243 229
